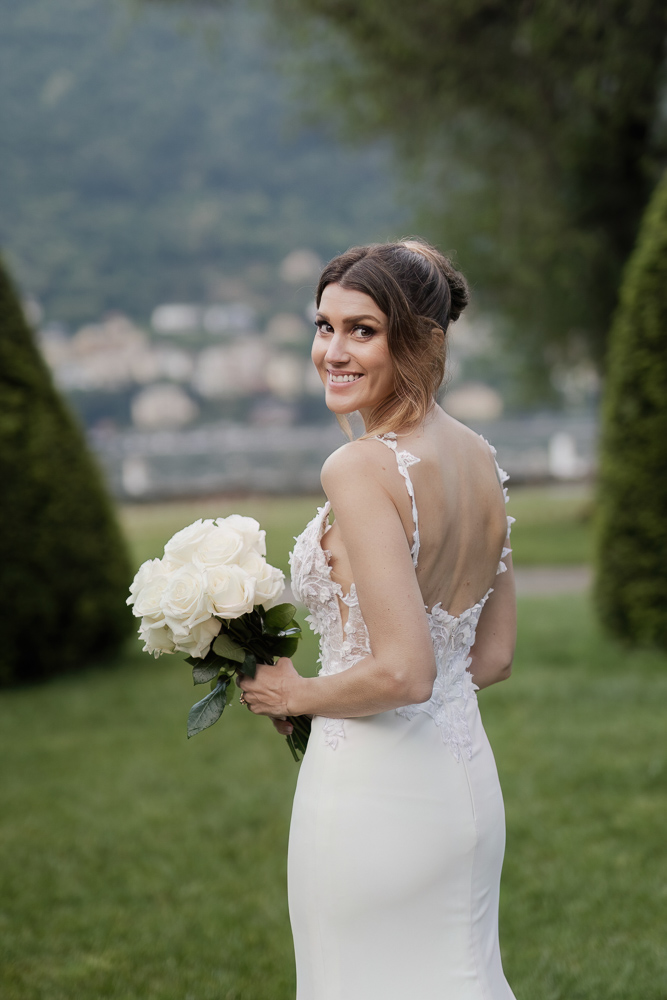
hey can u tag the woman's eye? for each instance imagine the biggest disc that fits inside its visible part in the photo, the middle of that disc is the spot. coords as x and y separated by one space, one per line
360 332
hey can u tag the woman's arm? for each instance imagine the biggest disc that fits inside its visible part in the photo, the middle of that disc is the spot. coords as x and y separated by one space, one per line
495 638
401 667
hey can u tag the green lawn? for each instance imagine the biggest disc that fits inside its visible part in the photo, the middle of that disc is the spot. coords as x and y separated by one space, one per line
553 526
136 864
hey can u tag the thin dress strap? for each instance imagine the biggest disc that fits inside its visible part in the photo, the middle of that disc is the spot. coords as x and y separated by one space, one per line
404 459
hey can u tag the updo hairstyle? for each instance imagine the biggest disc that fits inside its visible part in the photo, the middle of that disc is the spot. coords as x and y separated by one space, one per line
421 293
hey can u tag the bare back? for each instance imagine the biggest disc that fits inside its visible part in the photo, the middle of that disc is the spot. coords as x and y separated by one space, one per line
462 518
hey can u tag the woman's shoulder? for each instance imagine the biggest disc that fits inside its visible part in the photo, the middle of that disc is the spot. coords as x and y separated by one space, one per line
361 461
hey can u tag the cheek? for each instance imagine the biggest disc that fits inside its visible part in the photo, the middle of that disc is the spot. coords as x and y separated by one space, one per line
317 352
384 369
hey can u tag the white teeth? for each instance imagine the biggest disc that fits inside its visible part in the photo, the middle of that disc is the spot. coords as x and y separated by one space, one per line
343 378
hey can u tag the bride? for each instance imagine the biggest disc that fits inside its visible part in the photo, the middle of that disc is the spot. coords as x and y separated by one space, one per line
397 834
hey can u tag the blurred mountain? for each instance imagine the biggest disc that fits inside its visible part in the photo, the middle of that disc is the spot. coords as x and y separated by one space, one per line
146 158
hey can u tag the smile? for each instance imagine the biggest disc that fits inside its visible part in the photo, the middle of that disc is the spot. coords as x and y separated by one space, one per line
337 379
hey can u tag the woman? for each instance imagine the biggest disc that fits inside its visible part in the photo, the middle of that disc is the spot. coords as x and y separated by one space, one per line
397 834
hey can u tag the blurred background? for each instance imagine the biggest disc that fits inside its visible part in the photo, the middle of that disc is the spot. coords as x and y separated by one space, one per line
173 176
168 200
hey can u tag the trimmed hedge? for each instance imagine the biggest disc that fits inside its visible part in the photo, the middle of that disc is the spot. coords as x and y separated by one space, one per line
64 569
631 577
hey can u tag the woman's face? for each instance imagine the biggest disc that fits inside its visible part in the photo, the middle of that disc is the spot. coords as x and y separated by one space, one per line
350 351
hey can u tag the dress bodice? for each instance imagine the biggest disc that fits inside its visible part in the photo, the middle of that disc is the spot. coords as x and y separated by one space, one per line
343 646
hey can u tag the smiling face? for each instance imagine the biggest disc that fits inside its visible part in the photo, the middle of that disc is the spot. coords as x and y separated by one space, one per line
351 351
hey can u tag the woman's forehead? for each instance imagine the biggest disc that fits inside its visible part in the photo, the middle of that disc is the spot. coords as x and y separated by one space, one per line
349 302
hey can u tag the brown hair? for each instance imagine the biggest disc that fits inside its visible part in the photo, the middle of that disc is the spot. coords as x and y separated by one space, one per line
421 293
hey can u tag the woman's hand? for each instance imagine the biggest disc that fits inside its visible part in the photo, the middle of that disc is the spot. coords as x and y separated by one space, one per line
269 691
284 727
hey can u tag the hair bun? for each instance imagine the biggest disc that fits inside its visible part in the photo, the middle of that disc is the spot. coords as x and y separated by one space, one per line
459 294
458 290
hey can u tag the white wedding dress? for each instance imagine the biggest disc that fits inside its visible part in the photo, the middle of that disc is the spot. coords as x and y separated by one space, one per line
398 827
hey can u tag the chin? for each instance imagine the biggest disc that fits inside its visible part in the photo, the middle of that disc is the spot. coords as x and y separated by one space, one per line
338 406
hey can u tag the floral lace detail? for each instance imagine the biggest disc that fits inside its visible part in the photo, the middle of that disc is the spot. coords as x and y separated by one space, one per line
453 687
404 459
502 478
340 648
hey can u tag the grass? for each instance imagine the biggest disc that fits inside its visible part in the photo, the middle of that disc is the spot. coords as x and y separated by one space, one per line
553 526
136 864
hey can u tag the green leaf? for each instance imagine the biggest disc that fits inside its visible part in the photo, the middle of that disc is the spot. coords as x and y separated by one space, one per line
208 710
226 647
196 661
249 665
203 672
286 646
278 618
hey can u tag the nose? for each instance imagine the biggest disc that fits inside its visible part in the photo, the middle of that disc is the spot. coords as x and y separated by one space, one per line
337 352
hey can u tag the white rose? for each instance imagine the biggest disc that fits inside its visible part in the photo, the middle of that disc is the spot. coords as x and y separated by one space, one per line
275 590
184 601
146 572
199 640
231 590
157 639
220 546
181 547
254 539
269 581
148 602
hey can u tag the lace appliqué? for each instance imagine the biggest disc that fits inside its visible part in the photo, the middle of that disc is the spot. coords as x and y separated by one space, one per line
404 459
340 648
453 687
502 478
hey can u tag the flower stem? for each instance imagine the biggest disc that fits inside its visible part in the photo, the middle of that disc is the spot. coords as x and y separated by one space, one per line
290 744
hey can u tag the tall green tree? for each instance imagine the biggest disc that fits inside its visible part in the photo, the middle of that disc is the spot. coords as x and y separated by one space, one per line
631 586
537 128
64 570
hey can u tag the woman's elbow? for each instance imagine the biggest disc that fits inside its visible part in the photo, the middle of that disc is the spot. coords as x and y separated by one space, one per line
420 694
411 683
505 669
486 672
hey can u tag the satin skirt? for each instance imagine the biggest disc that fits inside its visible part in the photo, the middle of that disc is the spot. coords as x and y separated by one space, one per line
395 855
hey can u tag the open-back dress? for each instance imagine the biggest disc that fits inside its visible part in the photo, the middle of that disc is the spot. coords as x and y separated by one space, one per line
398 827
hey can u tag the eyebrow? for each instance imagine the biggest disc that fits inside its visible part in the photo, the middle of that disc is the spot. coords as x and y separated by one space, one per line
353 320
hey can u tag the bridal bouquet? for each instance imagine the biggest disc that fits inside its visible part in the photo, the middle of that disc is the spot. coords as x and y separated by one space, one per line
214 596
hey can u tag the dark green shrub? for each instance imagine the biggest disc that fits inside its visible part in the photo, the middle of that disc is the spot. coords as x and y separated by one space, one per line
631 584
64 569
